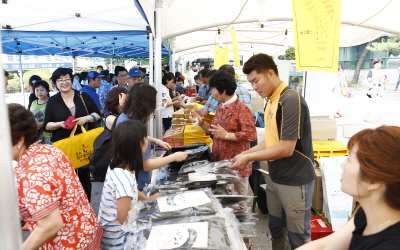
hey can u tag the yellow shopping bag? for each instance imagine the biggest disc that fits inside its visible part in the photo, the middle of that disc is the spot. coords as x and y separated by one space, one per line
78 148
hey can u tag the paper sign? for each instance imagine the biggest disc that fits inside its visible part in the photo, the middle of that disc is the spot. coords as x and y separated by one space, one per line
317 33
202 177
185 235
183 200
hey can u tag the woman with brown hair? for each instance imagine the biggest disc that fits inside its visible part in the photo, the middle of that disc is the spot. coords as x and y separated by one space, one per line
114 104
51 198
371 174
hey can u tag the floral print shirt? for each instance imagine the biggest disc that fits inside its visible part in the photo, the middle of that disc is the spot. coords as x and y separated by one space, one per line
235 118
45 181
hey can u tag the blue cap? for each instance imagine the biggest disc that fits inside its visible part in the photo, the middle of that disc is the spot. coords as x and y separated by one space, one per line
135 72
94 74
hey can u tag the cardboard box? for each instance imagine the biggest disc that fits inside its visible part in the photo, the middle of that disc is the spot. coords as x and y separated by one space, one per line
174 135
178 114
319 228
176 144
257 104
318 197
323 128
178 121
174 126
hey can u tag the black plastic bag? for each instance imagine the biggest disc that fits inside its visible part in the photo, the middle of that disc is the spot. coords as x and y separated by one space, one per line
199 155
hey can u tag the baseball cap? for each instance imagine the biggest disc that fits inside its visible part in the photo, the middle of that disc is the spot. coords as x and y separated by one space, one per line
105 72
93 74
135 72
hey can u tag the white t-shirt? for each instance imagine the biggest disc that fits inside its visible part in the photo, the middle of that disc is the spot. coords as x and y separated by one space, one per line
118 183
168 111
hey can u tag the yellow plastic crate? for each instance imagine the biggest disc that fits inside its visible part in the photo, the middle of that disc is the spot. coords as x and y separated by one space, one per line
329 149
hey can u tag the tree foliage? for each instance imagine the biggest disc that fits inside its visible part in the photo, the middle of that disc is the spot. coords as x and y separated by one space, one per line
289 55
391 44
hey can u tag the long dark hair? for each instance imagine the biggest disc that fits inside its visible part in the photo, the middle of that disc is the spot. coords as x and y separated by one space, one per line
125 148
140 102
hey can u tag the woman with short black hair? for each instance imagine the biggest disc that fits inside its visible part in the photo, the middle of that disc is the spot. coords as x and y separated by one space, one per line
233 125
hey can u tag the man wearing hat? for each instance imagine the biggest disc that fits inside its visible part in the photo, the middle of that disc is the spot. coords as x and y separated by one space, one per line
135 76
93 79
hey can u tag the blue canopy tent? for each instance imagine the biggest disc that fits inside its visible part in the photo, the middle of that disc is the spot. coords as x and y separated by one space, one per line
86 44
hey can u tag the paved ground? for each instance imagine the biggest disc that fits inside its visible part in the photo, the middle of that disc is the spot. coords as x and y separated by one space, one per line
354 112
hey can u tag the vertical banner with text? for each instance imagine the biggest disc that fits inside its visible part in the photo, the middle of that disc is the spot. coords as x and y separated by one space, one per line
235 50
317 33
220 56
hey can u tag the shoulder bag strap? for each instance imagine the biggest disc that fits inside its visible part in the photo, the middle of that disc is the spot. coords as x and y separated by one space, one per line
114 123
84 104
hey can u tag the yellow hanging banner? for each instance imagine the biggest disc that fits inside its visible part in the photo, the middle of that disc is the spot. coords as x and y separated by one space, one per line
317 33
220 56
235 50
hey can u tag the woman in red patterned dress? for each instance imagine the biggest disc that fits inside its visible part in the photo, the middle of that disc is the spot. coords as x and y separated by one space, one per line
233 125
50 196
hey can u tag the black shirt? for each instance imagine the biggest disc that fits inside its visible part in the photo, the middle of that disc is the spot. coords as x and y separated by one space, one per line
388 239
57 111
293 123
32 97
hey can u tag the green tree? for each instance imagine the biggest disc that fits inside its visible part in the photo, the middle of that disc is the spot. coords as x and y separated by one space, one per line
388 44
289 55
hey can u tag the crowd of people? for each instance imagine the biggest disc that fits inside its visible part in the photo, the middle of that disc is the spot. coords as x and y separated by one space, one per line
54 200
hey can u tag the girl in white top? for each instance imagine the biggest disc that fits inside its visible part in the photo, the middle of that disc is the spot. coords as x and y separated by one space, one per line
120 193
168 80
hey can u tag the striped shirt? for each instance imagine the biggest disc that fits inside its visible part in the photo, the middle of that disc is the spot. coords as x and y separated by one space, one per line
242 92
119 183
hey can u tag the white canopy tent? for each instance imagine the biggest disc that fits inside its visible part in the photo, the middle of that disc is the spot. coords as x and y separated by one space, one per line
194 23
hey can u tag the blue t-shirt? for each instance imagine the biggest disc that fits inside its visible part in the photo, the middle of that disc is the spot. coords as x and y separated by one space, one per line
179 89
143 176
92 93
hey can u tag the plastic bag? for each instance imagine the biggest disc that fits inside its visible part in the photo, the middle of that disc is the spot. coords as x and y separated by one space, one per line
192 166
218 231
219 174
202 152
181 204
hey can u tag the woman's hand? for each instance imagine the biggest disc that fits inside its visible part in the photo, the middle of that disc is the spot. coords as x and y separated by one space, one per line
177 102
83 120
194 115
163 144
180 156
61 124
218 131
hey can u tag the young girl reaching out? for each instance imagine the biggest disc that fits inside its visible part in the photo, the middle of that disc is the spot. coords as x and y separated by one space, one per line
120 193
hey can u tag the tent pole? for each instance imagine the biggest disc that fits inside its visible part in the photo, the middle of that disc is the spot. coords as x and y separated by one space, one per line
173 69
10 228
21 77
151 60
111 66
157 69
73 64
150 125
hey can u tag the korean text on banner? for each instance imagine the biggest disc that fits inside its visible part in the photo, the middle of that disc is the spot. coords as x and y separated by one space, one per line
235 47
220 56
317 33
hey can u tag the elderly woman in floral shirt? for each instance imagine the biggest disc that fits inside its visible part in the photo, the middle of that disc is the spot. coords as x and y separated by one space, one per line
51 198
233 126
